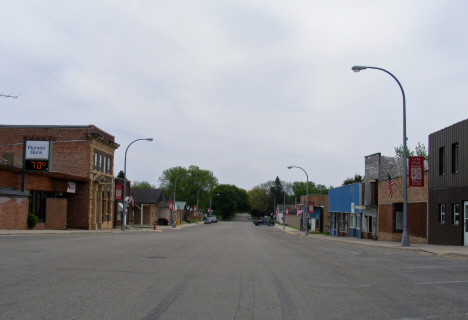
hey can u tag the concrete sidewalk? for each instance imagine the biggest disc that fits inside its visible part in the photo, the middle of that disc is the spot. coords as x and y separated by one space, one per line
452 251
80 231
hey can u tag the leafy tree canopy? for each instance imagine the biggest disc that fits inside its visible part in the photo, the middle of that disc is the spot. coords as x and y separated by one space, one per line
230 200
142 185
300 188
188 187
121 175
419 151
357 178
260 199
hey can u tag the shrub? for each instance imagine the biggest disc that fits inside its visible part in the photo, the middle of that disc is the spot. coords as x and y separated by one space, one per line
32 220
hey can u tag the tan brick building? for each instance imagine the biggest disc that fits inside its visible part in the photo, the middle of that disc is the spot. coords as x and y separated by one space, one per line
390 222
76 191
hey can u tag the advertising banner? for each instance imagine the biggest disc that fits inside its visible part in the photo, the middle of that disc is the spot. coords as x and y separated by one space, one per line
311 207
118 192
416 171
287 210
171 205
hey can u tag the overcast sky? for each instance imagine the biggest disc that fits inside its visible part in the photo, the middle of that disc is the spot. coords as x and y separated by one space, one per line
242 88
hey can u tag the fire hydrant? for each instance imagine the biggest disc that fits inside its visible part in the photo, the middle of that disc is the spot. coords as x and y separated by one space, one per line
154 225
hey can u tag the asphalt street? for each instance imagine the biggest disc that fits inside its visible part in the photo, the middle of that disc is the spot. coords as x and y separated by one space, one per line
228 270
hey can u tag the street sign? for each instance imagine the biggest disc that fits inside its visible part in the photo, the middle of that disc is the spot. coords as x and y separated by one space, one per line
287 210
171 205
195 209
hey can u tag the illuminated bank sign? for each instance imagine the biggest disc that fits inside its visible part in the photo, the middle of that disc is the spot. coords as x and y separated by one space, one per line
37 155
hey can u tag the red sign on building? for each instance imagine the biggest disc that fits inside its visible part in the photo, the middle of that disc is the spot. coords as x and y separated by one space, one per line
118 192
416 171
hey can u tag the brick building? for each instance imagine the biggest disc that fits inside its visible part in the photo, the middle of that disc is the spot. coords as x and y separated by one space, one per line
75 190
391 211
320 219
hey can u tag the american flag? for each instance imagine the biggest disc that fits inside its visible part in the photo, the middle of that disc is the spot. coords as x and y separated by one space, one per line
300 211
390 184
131 200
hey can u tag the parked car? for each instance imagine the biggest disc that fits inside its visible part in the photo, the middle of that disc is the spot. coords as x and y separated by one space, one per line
214 220
249 218
264 222
207 221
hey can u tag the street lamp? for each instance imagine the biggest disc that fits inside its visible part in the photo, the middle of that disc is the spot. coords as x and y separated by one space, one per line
216 194
198 193
124 217
306 221
175 185
404 239
284 210
274 204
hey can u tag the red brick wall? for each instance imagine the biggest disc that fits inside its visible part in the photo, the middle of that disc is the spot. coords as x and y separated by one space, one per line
56 214
78 207
71 151
385 218
10 180
14 213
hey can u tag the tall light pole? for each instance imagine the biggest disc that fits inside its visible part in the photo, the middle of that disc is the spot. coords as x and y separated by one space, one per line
124 213
284 210
175 185
211 198
198 193
405 238
274 205
306 207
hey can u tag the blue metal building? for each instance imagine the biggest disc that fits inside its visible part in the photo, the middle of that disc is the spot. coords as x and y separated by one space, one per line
345 205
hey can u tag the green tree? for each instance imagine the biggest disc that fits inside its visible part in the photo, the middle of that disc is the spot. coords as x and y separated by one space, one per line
277 195
259 200
121 175
142 185
188 186
300 189
230 200
357 178
419 151
261 196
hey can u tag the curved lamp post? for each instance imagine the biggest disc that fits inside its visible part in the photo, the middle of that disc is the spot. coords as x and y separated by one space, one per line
198 209
274 205
306 207
405 238
175 185
211 198
124 213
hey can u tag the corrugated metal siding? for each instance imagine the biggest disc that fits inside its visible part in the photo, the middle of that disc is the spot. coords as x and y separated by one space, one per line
340 199
458 133
449 188
448 233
